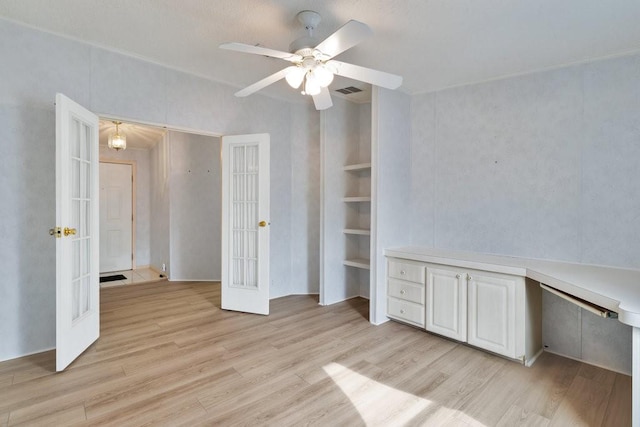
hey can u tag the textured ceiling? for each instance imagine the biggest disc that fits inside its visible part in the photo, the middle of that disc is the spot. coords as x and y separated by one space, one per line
432 44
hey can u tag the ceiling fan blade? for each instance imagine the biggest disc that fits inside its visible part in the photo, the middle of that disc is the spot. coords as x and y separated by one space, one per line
263 83
367 75
258 50
322 100
349 35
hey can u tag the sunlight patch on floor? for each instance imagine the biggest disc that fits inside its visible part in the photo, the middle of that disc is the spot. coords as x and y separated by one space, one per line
379 404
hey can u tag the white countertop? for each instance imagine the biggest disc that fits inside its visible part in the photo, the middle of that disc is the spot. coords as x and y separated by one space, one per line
616 289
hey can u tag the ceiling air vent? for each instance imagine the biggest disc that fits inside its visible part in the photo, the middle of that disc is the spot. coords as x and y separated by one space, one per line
348 90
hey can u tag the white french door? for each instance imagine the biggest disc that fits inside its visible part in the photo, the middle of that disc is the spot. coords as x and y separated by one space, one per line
76 231
245 223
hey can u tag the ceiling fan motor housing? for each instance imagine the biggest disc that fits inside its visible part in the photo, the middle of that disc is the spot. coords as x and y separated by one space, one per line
303 46
309 19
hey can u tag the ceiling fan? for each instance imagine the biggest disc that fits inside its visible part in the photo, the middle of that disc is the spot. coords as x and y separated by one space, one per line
313 66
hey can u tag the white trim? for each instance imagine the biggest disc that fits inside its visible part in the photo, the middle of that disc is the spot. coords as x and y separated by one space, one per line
586 362
321 287
376 316
635 377
28 354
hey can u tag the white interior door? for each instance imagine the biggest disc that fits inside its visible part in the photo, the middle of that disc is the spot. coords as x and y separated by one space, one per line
245 223
77 239
116 217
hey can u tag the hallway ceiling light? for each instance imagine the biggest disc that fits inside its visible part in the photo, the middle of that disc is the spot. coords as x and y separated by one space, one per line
117 139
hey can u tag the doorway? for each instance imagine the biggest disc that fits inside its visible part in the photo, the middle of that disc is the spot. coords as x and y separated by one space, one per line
117 215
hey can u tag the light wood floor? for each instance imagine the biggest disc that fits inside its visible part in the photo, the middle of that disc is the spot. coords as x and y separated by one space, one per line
169 355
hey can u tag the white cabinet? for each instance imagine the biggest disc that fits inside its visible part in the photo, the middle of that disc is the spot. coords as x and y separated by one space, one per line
447 303
492 307
405 291
492 311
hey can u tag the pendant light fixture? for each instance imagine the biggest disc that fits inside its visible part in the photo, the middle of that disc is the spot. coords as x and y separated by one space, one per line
117 140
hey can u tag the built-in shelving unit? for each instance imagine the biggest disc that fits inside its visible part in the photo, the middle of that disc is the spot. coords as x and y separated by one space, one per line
347 201
358 230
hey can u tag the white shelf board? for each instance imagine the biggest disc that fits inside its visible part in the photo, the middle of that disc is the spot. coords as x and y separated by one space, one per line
357 262
359 231
357 199
358 167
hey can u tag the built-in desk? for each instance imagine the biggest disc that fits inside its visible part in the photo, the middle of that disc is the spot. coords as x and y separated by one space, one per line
614 289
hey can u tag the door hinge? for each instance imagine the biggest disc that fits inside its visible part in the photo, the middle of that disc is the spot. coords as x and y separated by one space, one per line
55 232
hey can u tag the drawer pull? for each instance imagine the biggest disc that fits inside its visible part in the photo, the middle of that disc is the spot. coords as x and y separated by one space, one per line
402 292
402 272
402 311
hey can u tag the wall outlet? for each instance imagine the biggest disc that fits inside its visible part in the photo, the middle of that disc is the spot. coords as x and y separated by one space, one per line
164 267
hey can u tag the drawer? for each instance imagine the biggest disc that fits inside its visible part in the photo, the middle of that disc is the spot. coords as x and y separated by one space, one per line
409 312
407 291
406 271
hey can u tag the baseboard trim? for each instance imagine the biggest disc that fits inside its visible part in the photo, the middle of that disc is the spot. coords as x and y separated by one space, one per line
530 362
28 354
608 368
341 300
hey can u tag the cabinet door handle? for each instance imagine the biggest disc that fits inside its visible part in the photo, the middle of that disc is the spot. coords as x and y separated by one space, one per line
469 277
457 276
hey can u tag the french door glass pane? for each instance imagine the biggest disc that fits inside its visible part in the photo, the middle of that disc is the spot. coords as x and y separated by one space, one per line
244 189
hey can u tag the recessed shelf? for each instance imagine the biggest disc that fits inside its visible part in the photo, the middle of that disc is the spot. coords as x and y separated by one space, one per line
357 199
358 167
357 262
358 231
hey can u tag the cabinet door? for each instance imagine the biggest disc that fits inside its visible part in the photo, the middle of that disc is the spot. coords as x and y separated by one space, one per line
446 309
492 318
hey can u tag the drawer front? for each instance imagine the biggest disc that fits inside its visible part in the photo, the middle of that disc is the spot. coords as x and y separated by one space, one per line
407 291
406 311
406 271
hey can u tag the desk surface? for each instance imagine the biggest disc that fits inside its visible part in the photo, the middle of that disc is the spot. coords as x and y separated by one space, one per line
616 289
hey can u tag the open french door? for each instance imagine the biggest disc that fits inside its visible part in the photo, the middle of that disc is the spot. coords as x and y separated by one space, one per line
245 223
76 231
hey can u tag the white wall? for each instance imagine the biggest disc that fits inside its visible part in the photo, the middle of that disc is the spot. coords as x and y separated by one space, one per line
391 147
143 197
35 66
305 202
195 207
160 204
542 166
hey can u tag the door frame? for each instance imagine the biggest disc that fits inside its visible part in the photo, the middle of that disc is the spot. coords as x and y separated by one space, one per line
134 220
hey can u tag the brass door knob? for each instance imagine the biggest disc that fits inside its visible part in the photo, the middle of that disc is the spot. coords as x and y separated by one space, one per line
69 231
262 223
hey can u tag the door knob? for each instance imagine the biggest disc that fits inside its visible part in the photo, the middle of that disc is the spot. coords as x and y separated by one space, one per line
262 223
69 231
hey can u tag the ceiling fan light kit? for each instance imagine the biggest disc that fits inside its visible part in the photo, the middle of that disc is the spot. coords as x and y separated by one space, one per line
314 68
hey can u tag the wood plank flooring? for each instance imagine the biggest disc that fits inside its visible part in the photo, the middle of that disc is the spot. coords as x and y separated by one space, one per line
168 355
